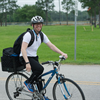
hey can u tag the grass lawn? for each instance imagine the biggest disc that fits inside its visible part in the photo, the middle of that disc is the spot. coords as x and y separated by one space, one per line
87 44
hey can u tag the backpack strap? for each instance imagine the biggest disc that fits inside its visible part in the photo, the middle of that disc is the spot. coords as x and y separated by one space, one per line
42 37
32 38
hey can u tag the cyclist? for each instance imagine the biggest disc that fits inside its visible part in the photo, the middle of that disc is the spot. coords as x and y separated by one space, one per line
28 55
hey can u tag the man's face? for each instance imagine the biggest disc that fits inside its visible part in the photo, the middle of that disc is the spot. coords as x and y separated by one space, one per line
37 27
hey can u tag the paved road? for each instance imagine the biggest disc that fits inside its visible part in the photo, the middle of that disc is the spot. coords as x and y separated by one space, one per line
87 76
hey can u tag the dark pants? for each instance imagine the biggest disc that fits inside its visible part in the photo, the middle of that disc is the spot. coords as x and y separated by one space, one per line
36 68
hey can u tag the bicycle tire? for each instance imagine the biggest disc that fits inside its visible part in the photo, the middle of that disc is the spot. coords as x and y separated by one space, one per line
13 89
73 88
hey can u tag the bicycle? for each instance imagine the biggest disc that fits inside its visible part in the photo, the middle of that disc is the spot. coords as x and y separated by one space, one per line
63 89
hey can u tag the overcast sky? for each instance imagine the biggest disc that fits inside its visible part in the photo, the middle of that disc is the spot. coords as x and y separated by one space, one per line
56 2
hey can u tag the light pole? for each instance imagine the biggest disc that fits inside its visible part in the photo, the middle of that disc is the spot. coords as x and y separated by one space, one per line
59 14
76 14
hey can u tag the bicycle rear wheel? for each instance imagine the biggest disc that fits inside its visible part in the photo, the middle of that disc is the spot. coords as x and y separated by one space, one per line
71 90
15 88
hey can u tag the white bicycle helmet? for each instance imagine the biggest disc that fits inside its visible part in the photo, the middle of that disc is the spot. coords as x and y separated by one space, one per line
37 19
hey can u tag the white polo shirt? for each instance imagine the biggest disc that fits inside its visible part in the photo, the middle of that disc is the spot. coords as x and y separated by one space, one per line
32 50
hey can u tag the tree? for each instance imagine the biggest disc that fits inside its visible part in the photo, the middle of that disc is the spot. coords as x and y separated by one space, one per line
0 19
99 14
45 5
25 13
7 7
68 6
94 8
1 11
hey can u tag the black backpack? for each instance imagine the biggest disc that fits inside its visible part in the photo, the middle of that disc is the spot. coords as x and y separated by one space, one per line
18 42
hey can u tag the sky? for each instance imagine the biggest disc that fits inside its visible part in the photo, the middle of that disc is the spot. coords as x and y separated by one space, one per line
56 2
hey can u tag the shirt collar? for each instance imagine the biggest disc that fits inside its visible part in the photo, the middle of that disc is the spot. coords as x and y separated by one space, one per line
35 33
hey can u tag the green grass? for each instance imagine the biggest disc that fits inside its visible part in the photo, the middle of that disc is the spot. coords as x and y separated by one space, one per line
88 42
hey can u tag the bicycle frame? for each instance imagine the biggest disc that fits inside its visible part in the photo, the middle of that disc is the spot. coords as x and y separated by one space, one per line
53 72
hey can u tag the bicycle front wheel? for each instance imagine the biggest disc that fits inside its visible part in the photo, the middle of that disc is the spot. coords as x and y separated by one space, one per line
15 88
70 90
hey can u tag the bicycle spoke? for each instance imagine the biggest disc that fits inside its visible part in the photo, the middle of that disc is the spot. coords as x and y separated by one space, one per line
14 81
16 89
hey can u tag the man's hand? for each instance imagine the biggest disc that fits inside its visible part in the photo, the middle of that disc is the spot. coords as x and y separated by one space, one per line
65 55
28 67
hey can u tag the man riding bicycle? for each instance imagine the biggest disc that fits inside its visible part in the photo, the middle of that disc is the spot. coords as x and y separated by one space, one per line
29 57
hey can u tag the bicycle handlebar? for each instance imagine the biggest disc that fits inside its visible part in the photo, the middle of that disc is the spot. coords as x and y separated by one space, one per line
47 62
56 62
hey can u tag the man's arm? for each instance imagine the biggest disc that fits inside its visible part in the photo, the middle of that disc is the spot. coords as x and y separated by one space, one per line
23 50
54 48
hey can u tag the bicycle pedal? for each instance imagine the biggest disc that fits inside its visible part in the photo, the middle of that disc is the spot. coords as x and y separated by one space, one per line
16 94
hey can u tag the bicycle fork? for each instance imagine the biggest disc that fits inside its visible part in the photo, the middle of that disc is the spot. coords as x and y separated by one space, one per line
60 81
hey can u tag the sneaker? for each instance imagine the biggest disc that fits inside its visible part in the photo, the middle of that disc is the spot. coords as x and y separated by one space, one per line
29 87
46 98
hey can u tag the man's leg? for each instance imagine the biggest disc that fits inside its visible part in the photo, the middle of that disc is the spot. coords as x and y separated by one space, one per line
37 70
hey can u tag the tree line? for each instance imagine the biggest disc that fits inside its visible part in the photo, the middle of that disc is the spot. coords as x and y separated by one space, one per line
11 12
25 13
